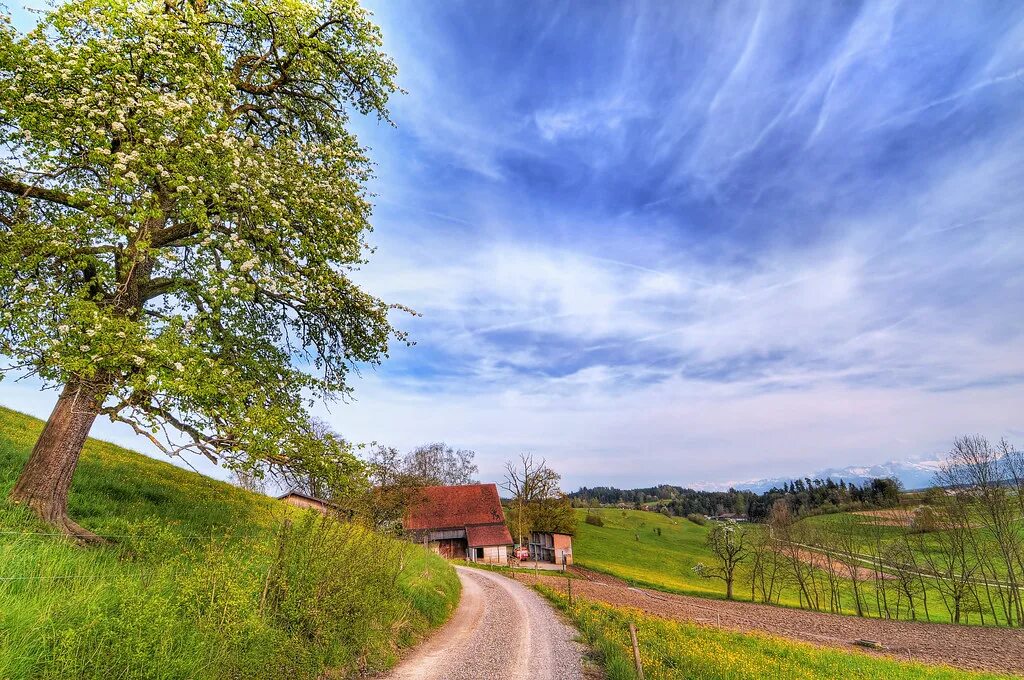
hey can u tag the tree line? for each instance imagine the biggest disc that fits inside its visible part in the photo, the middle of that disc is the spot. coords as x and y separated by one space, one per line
802 495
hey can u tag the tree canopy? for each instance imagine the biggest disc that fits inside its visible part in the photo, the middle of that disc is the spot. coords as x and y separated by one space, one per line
181 207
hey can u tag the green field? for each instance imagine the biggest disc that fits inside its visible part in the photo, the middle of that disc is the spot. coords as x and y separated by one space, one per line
200 580
673 649
628 546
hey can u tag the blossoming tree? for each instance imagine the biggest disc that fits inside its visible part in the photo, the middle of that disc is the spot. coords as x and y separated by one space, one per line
181 206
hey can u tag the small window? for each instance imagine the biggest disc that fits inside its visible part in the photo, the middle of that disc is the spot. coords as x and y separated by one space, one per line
479 553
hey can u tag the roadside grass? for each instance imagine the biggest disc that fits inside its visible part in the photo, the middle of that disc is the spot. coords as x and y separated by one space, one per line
673 649
650 550
200 580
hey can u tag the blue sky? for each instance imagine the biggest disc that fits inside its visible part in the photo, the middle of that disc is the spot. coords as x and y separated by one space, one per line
681 242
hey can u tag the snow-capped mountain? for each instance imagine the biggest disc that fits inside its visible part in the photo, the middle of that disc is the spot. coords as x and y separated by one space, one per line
913 474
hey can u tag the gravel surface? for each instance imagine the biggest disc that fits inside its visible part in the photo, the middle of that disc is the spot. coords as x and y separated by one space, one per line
967 647
500 630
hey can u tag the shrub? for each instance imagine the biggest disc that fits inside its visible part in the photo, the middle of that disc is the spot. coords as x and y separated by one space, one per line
595 520
697 519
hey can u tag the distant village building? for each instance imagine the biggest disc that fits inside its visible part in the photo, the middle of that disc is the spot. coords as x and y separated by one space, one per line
302 500
461 522
734 516
550 546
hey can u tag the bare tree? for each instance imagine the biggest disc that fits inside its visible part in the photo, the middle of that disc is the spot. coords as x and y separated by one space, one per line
789 535
765 573
1012 460
729 543
979 474
833 569
250 480
441 465
532 484
848 544
951 560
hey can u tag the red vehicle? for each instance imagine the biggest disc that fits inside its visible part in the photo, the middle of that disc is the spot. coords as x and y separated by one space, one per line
522 553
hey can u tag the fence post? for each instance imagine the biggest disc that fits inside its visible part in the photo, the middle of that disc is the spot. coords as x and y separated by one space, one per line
636 652
570 591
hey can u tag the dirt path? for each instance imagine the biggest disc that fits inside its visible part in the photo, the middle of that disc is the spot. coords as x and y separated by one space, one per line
968 647
500 630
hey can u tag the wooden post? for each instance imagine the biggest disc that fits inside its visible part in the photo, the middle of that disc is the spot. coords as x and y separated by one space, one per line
636 652
570 591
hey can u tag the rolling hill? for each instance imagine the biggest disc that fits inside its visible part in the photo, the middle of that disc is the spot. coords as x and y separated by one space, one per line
200 580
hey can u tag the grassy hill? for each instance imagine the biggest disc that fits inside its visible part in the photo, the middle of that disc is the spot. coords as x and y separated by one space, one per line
200 580
629 546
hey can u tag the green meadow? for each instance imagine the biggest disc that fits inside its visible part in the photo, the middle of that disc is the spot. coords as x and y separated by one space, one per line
200 580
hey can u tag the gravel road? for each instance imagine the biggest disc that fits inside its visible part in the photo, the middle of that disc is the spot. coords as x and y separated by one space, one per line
500 630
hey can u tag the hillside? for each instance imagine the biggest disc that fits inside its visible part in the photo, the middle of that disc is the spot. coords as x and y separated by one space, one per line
200 580
628 546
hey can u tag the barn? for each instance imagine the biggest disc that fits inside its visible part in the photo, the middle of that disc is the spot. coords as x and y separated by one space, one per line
461 522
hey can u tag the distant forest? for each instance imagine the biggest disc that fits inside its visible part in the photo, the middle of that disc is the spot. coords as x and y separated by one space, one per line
804 496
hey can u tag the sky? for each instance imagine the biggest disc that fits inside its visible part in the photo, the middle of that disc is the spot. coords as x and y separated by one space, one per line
694 242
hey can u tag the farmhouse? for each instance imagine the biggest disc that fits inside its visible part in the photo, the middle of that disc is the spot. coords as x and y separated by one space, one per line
461 522
550 546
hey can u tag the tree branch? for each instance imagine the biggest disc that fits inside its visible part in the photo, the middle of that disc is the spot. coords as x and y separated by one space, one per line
22 190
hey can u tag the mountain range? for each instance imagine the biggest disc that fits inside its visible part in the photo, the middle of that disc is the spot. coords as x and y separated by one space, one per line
912 474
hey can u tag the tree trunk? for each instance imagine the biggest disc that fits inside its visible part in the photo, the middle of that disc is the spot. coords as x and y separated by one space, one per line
46 478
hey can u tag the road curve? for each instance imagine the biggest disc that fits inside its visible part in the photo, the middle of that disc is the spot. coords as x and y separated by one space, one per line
501 629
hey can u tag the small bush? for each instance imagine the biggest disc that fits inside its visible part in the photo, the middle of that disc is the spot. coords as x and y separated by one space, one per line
595 520
697 519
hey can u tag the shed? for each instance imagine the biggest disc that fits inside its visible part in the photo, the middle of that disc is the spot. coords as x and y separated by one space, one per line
551 546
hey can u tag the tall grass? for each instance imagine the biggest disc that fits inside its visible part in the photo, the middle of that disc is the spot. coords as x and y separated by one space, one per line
201 580
673 649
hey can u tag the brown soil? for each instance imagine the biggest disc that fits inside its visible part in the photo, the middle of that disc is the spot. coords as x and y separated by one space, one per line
839 568
891 517
967 647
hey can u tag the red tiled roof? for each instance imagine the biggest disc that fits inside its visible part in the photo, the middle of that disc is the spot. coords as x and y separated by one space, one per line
447 507
488 534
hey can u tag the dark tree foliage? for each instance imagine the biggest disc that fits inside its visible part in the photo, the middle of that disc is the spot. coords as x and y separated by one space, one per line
802 495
